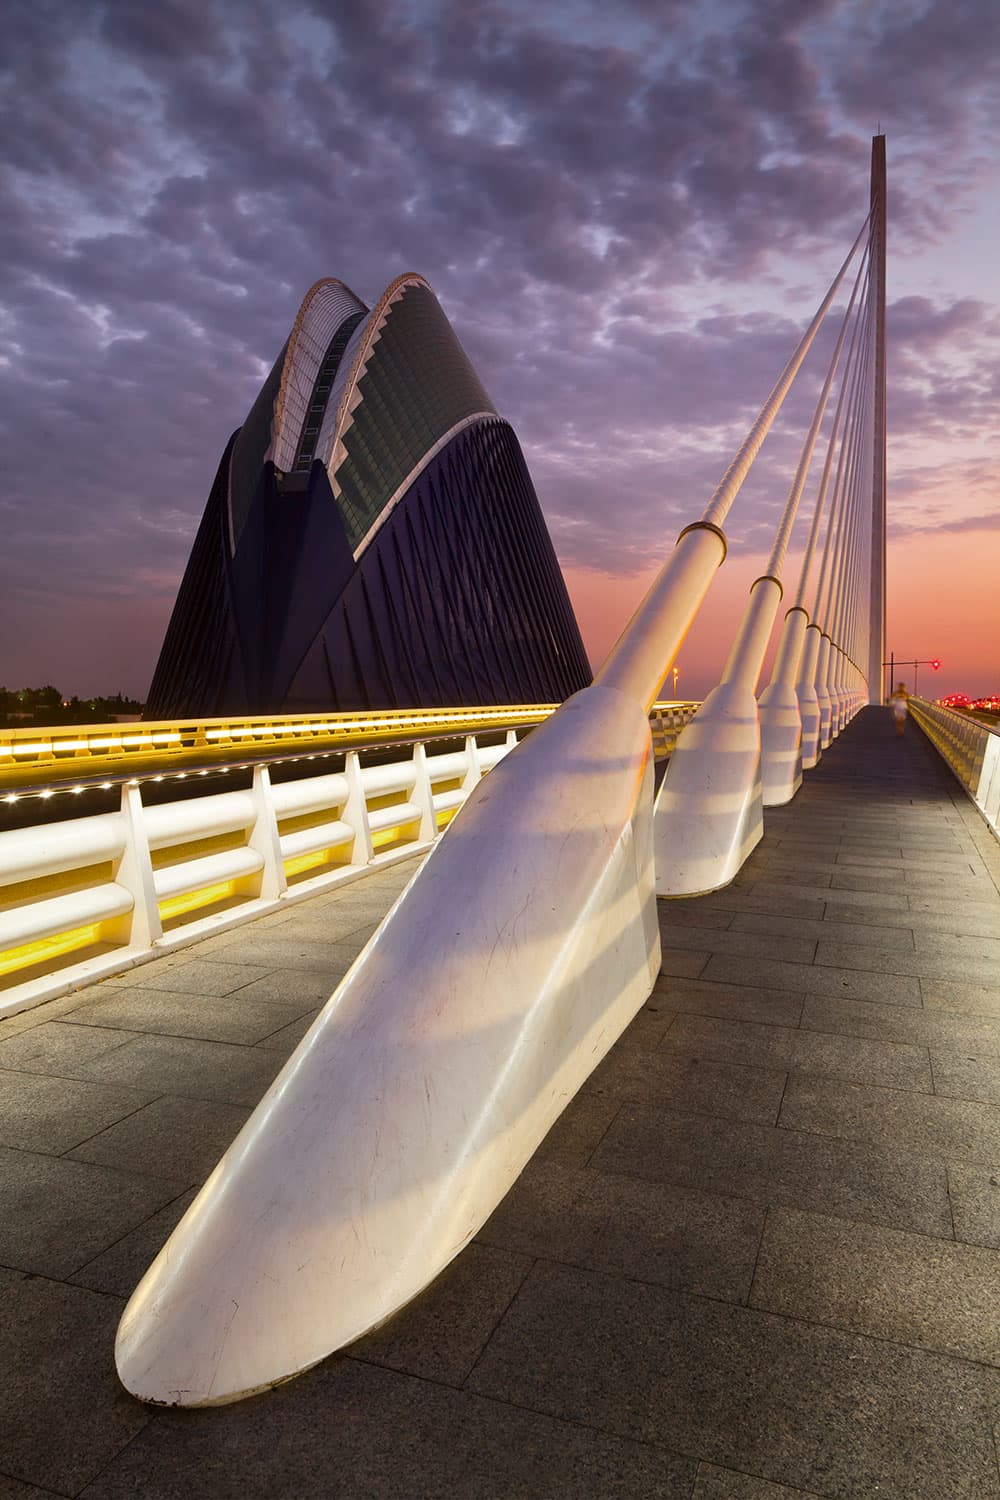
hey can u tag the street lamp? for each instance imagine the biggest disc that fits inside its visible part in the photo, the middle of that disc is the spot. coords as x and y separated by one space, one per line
934 662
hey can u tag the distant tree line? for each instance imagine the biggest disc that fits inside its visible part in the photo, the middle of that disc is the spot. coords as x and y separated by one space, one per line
46 705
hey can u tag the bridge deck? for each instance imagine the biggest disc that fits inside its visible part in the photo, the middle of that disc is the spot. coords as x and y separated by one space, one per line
763 1241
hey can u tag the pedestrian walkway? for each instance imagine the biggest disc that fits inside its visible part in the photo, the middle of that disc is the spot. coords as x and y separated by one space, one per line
758 1257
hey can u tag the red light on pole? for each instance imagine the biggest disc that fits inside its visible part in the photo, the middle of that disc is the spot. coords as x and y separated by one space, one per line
935 665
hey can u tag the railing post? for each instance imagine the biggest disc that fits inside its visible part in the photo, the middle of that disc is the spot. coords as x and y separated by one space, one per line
423 794
356 811
474 770
135 873
265 839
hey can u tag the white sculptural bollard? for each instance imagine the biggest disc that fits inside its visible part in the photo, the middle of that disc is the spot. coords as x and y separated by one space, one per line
805 691
503 974
780 718
708 813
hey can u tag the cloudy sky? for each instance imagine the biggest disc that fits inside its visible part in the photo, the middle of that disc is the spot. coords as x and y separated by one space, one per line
628 209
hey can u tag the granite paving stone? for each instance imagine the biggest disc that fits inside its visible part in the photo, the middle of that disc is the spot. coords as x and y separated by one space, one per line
225 1018
942 903
653 1020
691 914
356 1431
59 1049
180 1139
646 1231
186 1068
277 952
975 1203
889 1063
775 898
58 1214
771 879
767 1165
681 963
801 1405
50 1010
930 965
831 896
342 921
441 1334
856 984
580 1128
782 872
63 1415
965 1077
634 1070
739 1002
826 928
974 922
119 1269
977 949
198 977
932 862
284 1041
849 879
751 944
952 1129
292 987
13 1489
713 1483
905 1287
39 1113
926 1027
148 965
970 999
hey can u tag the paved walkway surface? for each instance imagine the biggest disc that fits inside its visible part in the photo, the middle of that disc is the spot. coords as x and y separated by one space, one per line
757 1258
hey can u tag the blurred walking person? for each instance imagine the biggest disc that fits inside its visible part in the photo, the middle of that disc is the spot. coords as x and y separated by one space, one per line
899 703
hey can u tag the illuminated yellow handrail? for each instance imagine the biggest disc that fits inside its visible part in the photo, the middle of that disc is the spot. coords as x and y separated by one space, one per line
59 755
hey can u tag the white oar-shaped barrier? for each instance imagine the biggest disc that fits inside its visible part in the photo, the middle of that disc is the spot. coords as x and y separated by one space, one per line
515 958
709 810
504 973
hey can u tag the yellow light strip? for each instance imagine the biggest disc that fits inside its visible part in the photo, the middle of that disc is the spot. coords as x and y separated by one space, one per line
395 835
43 949
306 862
207 895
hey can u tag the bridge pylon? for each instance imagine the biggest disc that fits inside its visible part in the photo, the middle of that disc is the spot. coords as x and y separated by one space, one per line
876 637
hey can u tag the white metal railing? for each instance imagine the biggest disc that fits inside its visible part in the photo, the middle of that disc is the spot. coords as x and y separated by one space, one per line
971 749
92 896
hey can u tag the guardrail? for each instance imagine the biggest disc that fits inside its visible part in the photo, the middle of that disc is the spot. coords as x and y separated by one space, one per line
972 750
95 895
32 757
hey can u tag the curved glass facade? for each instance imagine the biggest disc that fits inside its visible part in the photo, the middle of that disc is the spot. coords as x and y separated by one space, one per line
325 308
316 410
395 556
285 406
417 384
